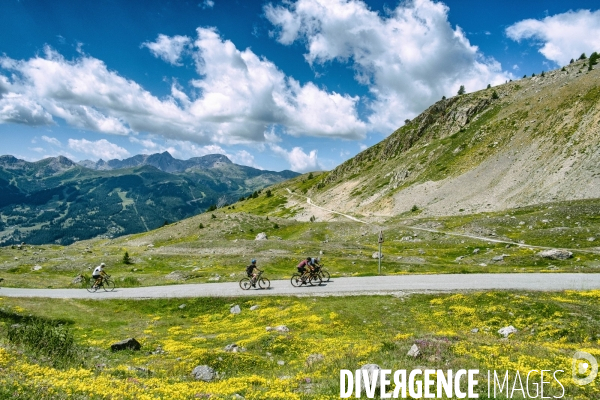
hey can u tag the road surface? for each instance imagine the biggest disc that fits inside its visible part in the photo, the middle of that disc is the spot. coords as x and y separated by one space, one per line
396 284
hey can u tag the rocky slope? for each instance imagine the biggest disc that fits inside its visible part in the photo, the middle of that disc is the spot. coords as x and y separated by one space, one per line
526 142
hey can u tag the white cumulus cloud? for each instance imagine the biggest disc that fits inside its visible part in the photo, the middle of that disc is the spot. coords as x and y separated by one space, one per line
299 160
408 58
98 149
51 140
168 48
563 36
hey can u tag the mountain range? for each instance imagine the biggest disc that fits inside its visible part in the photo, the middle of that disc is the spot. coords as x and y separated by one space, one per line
56 200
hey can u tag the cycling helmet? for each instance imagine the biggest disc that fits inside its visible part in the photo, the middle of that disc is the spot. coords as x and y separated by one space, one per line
102 265
308 258
253 261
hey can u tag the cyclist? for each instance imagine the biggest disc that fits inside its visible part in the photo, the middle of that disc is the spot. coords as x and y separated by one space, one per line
98 274
316 263
304 265
252 272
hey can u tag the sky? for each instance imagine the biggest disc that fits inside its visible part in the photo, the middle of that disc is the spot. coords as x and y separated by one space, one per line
294 84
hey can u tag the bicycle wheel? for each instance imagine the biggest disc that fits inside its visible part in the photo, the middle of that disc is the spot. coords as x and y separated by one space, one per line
92 288
245 283
314 280
264 283
296 280
325 276
108 285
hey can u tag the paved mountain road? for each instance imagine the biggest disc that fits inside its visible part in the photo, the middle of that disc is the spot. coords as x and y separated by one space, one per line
396 284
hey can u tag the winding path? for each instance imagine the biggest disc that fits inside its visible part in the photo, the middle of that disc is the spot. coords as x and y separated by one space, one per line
464 235
395 284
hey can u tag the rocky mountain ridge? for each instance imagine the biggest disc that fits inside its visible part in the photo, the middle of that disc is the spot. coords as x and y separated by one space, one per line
525 142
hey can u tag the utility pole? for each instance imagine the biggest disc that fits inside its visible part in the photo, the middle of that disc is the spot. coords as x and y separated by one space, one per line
380 255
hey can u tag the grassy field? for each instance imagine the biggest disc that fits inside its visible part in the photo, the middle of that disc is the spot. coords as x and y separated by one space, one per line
216 246
452 331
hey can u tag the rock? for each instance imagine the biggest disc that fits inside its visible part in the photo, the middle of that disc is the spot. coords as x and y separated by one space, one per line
498 258
377 255
127 344
314 358
142 370
459 258
261 236
235 309
483 265
370 368
280 328
254 308
414 351
474 330
507 330
232 348
556 254
204 373
237 396
182 306
36 268
78 279
591 239
158 350
281 362
176 276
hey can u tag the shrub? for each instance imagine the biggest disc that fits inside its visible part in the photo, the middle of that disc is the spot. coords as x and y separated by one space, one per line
126 259
268 193
414 208
495 95
489 86
275 226
201 226
212 207
543 74
213 216
461 90
44 337
582 56
310 176
572 61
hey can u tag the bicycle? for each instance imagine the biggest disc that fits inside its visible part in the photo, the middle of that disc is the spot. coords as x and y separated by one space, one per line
323 273
106 283
263 283
308 277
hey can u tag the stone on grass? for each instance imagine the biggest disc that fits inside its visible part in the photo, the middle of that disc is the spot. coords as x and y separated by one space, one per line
281 362
370 368
176 276
314 358
182 306
261 236
204 373
127 344
507 330
78 279
235 309
474 330
414 351
475 251
377 255
254 308
498 258
36 268
555 254
232 348
279 328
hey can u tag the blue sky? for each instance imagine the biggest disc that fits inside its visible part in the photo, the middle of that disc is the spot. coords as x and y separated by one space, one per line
301 84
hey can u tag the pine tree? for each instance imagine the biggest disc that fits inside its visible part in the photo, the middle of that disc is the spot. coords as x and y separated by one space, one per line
126 259
461 90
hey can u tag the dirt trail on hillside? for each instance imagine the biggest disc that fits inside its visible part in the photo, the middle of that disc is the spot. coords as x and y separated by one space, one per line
486 239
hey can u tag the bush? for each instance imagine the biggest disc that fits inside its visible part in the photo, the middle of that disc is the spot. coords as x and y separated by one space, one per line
572 61
201 226
461 90
582 56
268 193
310 176
213 207
414 208
213 216
495 95
489 86
126 259
275 226
44 337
